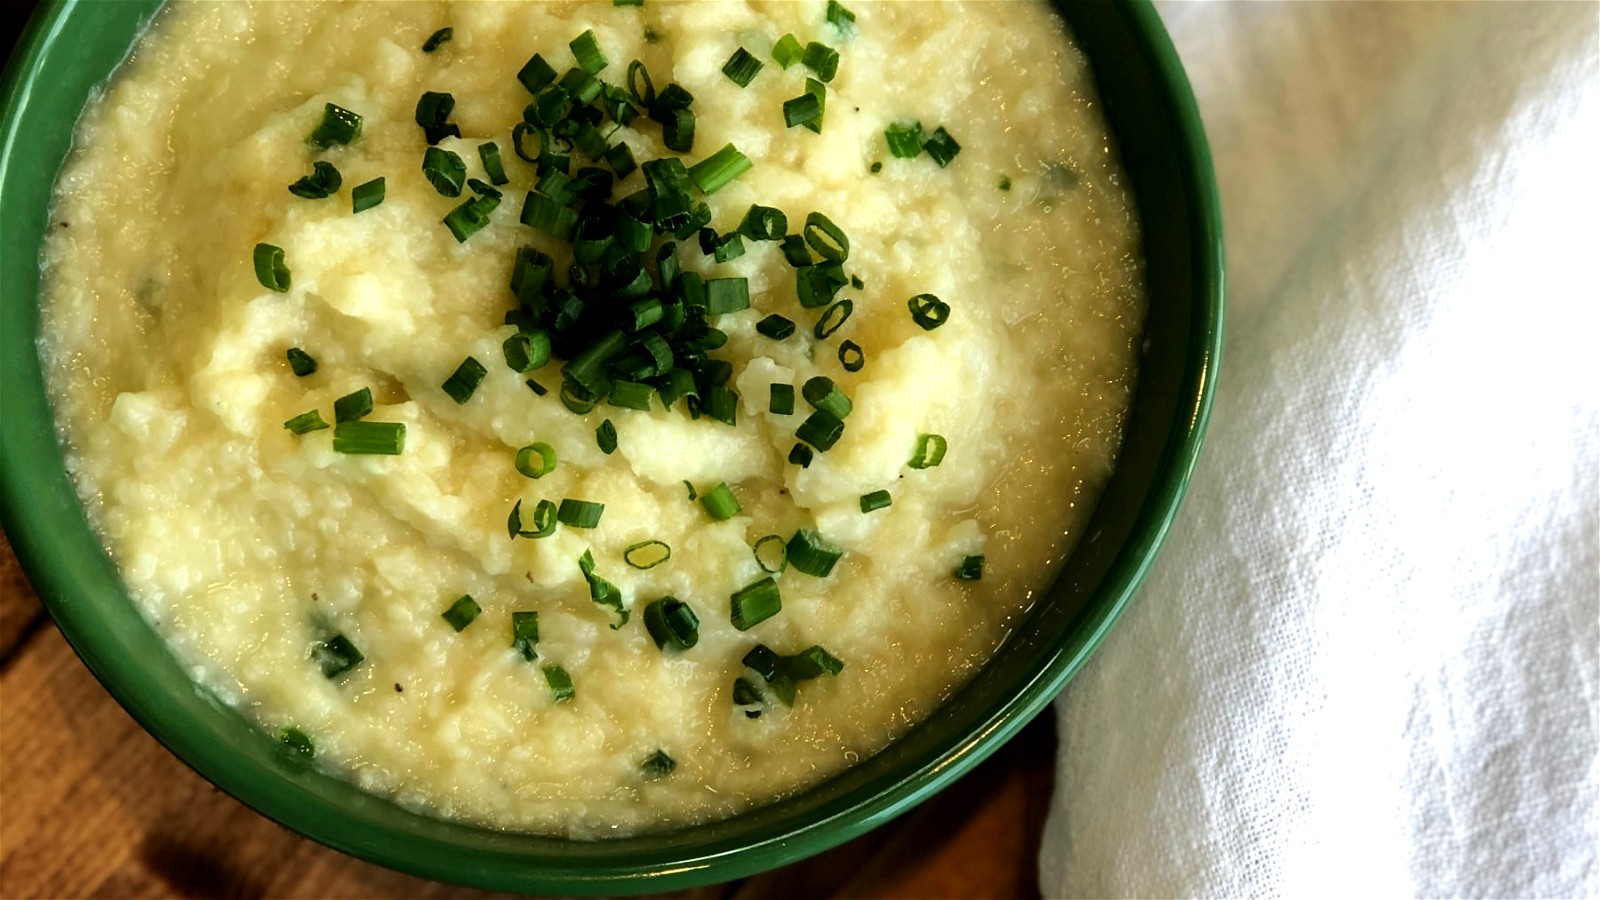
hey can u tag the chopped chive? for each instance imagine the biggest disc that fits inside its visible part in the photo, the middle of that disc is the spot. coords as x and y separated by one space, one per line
851 356
823 394
793 247
606 437
366 195
537 388
546 464
300 362
721 404
842 19
433 114
819 90
728 247
462 612
602 591
336 655
548 216
464 381
620 158
775 327
875 500
827 239
525 633
764 223
810 553
715 171
904 139
941 146
296 740
647 554
270 268
489 155
658 765
745 693
876 167
857 283
673 96
822 429
821 59
971 568
741 68
726 295
580 513
802 110
526 351
928 311
323 181
369 438
1005 182
720 503
559 681
800 455
544 521
671 622
780 399
930 451
833 318
338 126
755 603
782 561
630 395
677 132
472 216
646 97
582 86
536 74
689 486
627 2
787 51
306 422
586 49
770 666
437 39
816 285
353 406
444 170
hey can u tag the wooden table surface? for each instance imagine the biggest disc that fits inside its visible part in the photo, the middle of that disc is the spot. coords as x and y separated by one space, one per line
91 806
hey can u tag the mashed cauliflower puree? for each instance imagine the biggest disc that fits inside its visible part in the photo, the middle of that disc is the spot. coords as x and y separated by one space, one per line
320 591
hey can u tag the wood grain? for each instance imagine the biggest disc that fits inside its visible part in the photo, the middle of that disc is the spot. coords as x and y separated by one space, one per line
91 806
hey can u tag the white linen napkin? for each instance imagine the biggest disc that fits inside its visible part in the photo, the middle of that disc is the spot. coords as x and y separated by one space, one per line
1366 662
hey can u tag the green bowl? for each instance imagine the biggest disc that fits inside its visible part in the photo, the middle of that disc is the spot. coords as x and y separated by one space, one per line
70 47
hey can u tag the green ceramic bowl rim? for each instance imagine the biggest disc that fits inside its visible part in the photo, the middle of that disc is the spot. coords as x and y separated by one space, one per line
20 459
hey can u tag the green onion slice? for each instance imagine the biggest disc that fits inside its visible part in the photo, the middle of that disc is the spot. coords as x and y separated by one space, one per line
875 500
472 216
726 295
548 216
1005 182
338 126
464 381
802 110
715 171
544 521
546 460
437 39
822 429
580 513
602 591
306 422
336 655
366 195
771 554
800 455
833 319
560 683
323 181
741 67
971 569
444 170
851 356
764 223
647 554
270 268
353 406
842 19
745 693
489 155
433 114
606 437
658 765
828 239
775 327
586 49
942 147
928 311
720 503
904 139
525 633
930 451
369 438
526 351
677 132
823 394
300 362
812 554
645 97
536 74
821 59
462 612
755 603
671 623
296 740
787 51
780 399
630 395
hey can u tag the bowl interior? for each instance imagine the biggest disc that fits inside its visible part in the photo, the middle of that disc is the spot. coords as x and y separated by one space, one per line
71 47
